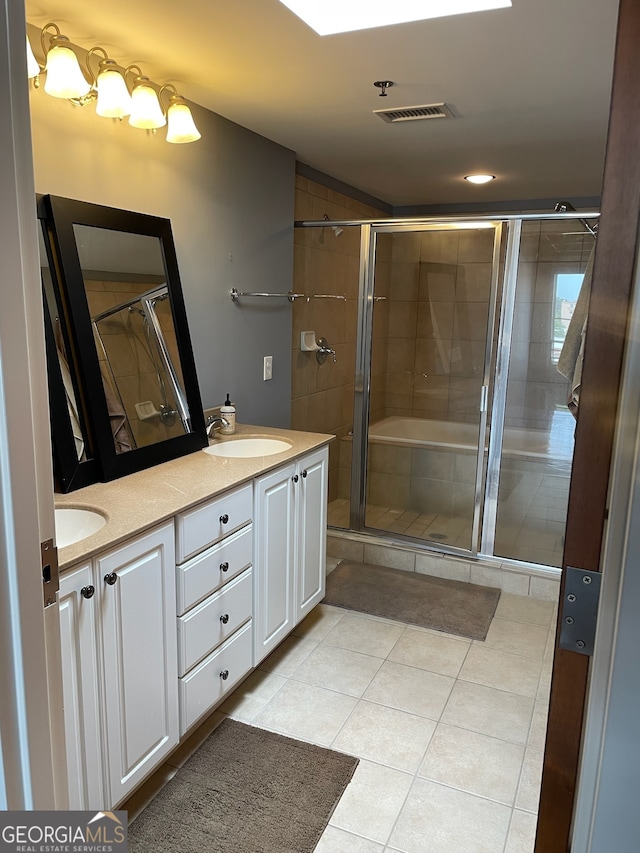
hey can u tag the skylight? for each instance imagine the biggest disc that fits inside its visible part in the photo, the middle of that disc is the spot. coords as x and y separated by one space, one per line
342 16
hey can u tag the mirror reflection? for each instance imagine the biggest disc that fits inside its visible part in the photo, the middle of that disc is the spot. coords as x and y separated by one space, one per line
135 336
73 410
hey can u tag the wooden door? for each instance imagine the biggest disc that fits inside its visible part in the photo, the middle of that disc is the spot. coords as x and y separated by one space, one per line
610 295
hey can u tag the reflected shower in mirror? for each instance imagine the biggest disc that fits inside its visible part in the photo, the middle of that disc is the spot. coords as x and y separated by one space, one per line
128 347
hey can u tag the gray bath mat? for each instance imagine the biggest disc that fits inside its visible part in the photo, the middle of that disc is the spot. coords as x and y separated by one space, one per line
245 790
452 606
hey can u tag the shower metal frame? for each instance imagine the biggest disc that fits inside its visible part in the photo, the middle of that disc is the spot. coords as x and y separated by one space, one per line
485 503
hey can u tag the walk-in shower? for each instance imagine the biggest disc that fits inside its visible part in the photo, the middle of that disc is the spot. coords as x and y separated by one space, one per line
451 418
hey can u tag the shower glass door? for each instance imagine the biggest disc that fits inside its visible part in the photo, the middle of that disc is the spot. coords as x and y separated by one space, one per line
431 300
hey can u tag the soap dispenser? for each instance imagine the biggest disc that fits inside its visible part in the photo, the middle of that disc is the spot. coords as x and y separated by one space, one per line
228 412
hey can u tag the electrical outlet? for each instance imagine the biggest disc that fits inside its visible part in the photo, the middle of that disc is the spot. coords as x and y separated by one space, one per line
267 372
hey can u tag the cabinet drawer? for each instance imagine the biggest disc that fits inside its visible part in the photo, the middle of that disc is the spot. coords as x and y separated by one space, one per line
204 687
207 572
207 524
203 629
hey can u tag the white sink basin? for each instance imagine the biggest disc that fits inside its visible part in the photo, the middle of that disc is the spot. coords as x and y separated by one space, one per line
72 525
244 448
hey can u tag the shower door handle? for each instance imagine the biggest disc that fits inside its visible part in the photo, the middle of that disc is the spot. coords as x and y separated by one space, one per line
484 398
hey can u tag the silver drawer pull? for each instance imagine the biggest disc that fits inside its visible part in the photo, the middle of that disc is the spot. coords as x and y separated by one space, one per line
224 674
224 567
224 618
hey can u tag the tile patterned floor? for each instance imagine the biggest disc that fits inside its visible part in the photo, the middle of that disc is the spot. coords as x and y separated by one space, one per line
449 732
533 532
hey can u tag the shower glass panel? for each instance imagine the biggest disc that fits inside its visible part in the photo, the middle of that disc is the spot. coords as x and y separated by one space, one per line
535 465
433 309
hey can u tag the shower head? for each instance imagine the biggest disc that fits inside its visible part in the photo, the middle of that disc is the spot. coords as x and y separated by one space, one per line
563 207
567 207
335 228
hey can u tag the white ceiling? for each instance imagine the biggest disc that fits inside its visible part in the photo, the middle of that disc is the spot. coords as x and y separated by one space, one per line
530 87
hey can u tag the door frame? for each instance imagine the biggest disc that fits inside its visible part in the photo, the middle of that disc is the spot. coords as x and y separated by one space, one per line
611 290
32 772
364 345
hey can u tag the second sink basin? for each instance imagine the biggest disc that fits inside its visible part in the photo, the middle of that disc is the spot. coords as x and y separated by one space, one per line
72 524
247 447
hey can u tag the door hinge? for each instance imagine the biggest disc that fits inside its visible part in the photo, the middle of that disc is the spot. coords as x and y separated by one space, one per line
49 566
579 610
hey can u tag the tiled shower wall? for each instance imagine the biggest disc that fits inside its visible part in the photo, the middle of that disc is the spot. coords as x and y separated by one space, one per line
437 310
322 395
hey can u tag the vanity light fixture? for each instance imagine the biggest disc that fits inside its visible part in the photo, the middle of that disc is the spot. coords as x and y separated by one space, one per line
115 94
113 98
64 75
33 66
479 179
181 126
146 111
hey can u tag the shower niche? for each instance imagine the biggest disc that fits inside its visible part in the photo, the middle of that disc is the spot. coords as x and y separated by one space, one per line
122 381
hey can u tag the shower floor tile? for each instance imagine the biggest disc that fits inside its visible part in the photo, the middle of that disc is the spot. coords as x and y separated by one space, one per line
535 534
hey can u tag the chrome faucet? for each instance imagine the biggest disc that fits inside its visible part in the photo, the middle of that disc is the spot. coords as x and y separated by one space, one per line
212 423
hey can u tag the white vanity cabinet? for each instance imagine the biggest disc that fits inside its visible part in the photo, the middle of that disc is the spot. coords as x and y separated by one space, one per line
215 601
290 523
119 666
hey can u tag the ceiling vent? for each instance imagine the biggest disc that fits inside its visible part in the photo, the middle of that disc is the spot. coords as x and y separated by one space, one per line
415 113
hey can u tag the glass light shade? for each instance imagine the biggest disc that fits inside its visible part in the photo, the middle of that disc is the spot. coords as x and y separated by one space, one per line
146 111
33 69
64 77
114 100
181 127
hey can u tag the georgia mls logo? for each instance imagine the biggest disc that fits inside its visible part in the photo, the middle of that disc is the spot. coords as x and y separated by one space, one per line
63 832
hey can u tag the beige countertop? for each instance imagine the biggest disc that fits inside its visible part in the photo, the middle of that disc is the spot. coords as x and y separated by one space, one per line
139 501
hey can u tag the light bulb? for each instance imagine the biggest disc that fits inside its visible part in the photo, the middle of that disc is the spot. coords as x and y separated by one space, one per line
33 69
64 77
479 179
181 127
114 100
146 111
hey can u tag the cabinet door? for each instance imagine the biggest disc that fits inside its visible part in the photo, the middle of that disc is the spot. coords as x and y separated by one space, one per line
274 532
77 606
139 648
311 532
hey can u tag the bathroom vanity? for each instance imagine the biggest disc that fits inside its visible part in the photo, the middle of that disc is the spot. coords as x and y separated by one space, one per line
206 563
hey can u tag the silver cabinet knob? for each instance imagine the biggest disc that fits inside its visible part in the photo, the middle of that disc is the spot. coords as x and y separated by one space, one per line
224 567
224 674
224 618
111 578
304 473
295 478
224 519
87 591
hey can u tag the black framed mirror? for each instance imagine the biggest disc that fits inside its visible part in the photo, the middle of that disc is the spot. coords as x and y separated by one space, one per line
123 385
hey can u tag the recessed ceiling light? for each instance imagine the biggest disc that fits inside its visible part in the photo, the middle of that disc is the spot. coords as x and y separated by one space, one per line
343 16
479 179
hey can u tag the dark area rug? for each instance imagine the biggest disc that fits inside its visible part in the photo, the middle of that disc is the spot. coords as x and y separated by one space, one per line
443 605
245 790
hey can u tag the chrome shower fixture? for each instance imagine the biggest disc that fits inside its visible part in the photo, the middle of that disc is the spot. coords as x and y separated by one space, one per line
335 228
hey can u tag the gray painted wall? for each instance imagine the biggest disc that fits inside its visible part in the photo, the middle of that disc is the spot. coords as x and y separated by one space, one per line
230 199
